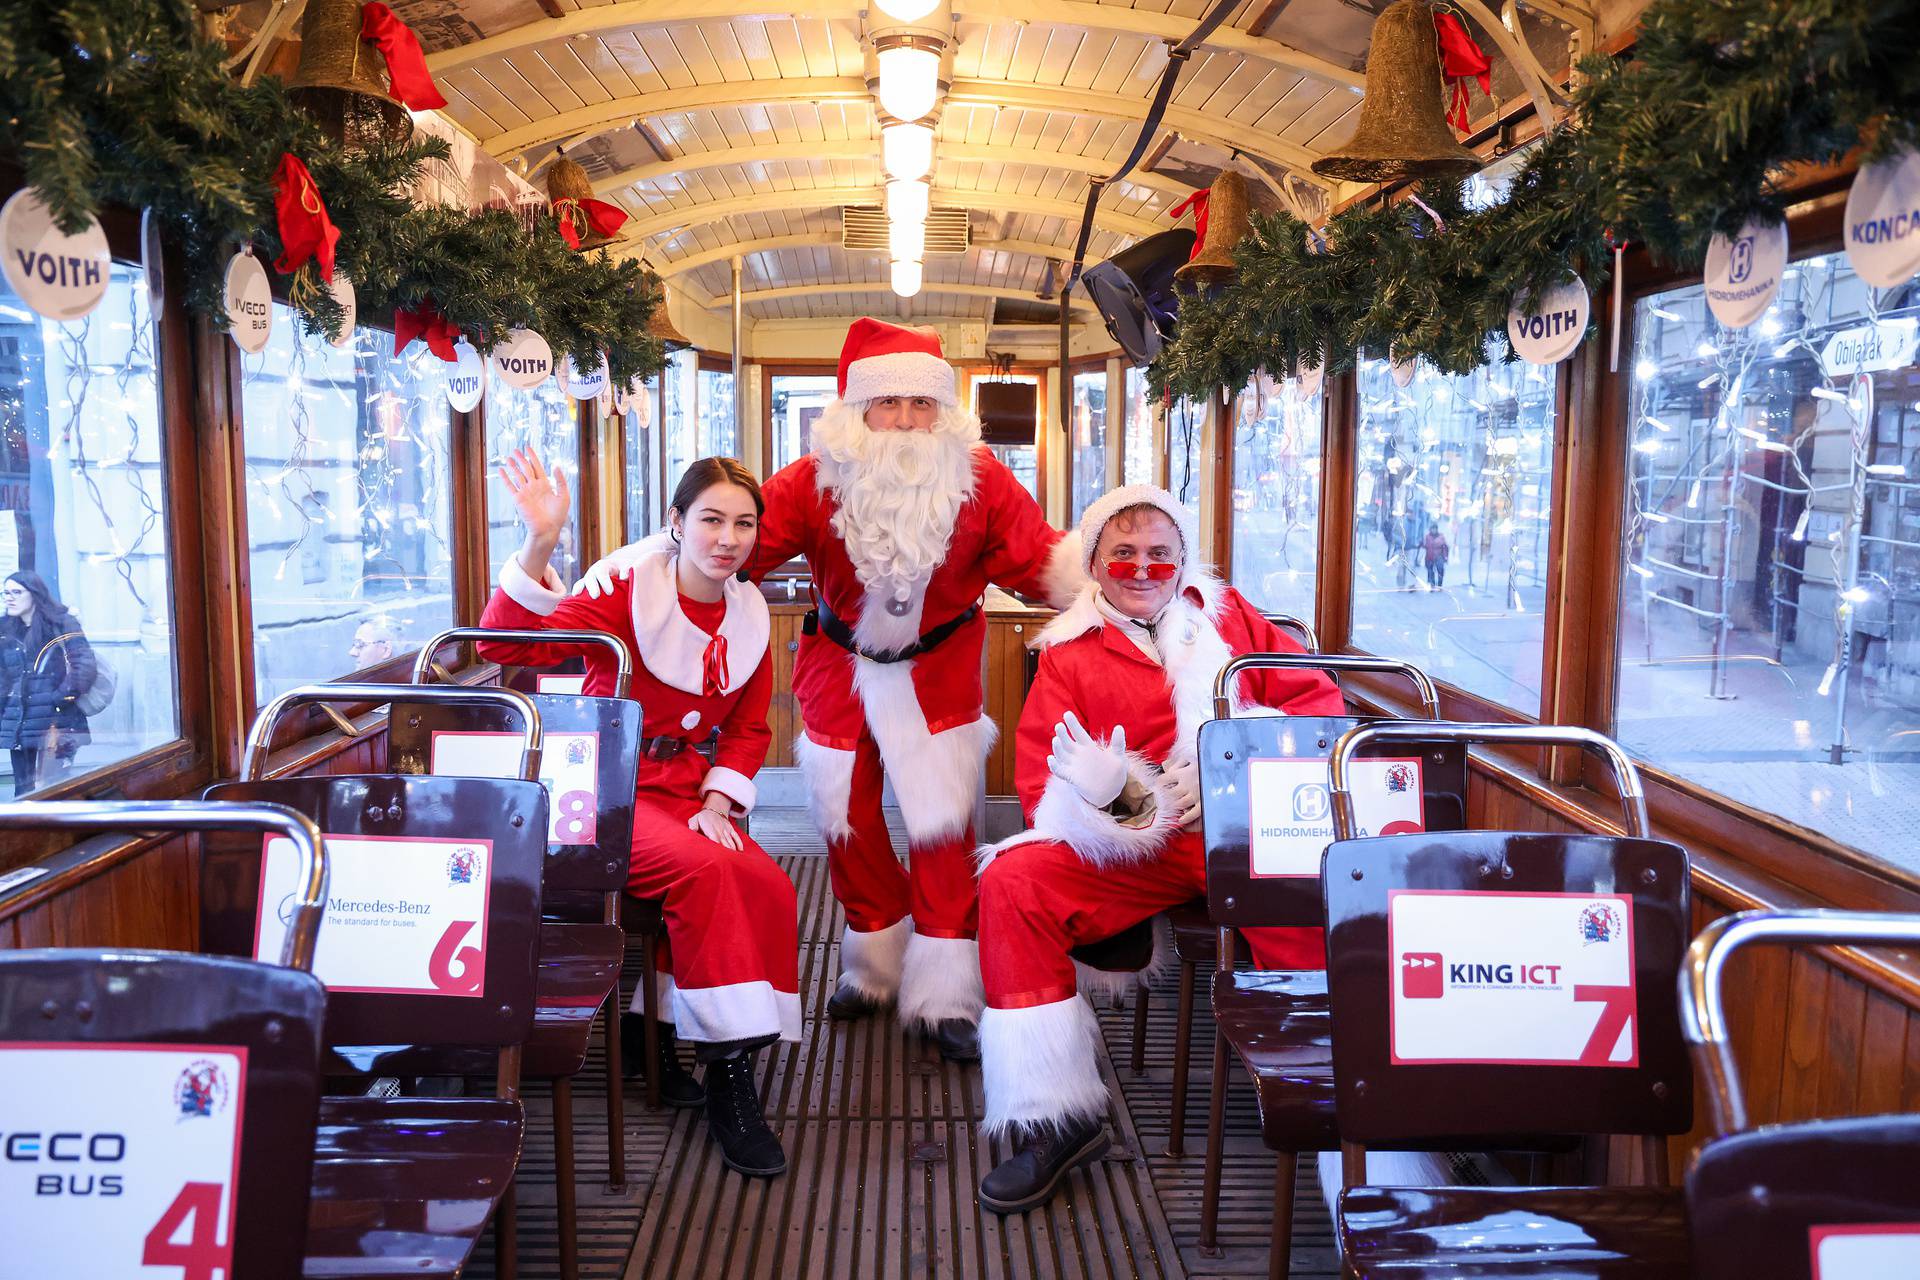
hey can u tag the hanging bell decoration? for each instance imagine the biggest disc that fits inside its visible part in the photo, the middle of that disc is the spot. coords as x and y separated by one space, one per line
661 326
1226 227
1403 133
570 191
342 82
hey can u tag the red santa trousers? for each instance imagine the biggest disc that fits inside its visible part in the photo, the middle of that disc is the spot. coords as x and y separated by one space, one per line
1039 1042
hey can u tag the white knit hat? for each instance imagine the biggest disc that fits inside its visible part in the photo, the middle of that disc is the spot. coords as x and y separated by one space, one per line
1111 503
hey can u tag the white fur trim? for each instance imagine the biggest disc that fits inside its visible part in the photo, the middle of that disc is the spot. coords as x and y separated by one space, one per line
671 647
1041 1066
541 597
871 963
936 777
1096 835
663 991
939 980
1114 984
732 784
1109 504
828 772
901 373
1192 653
739 1011
1066 570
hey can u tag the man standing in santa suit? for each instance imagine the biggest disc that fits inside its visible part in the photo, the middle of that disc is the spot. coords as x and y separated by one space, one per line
904 518
1105 764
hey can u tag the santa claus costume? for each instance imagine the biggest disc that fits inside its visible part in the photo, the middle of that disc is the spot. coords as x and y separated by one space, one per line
730 965
902 528
1128 695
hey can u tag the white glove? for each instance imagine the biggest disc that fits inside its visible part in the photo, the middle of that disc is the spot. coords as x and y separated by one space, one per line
1184 778
597 581
1098 773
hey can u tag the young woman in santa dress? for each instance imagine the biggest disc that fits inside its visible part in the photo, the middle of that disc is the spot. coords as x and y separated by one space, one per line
698 640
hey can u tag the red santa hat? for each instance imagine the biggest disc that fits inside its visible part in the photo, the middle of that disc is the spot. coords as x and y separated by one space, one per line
881 359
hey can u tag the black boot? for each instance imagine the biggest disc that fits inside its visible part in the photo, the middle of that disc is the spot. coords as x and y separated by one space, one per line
735 1120
850 1004
678 1088
1029 1178
958 1040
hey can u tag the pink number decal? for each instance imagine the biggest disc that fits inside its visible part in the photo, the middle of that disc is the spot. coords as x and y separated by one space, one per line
202 1254
440 967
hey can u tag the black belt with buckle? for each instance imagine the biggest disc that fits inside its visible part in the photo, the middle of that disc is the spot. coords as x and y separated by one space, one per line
828 624
662 748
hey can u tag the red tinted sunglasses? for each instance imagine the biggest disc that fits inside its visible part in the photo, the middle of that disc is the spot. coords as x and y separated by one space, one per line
1131 569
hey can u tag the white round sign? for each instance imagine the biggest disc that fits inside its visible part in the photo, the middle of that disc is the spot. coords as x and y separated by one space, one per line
61 277
1403 371
524 360
1548 332
1743 273
585 384
1306 382
640 405
249 302
150 261
1883 221
467 380
342 291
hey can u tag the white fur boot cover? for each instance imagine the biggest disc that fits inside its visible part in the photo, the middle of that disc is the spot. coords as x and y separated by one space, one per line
1041 1065
940 980
870 962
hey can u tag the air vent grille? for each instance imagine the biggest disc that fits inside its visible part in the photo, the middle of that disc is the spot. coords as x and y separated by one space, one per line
864 228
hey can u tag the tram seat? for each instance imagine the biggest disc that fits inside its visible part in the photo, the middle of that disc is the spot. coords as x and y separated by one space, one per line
1274 1021
1773 1199
1446 1093
403 1186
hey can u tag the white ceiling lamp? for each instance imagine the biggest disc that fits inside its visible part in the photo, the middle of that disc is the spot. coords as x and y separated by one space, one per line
906 278
909 74
906 150
907 241
908 201
907 10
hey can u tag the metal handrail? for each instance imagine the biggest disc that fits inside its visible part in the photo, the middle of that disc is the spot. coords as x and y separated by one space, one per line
1223 682
253 764
1305 628
296 950
1633 797
622 664
1703 1019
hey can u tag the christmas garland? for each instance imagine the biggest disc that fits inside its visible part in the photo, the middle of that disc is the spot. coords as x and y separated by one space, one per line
121 102
1687 139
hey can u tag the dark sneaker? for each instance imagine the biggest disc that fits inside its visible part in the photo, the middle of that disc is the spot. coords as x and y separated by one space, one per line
959 1040
850 1004
735 1120
1029 1178
678 1088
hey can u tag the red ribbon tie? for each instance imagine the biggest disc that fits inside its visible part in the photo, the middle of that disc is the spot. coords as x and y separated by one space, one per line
713 668
425 321
1198 202
305 229
601 218
1461 60
406 64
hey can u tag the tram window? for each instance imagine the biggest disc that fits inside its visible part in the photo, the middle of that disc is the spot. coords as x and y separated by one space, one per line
1186 426
349 503
1770 599
676 413
1137 456
643 445
719 436
83 541
796 400
1021 459
547 420
1276 495
1452 511
1089 438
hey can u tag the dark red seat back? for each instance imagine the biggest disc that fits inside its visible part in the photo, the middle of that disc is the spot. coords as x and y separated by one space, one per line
196 1040
1767 1202
607 728
1383 1102
509 813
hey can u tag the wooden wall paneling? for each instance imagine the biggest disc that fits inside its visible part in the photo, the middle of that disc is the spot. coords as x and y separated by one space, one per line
1883 1037
783 714
1837 1092
1578 489
586 480
1333 612
229 567
33 928
472 582
1806 1015
1910 1090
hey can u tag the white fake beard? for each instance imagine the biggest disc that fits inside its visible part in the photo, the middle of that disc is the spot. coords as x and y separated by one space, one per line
899 492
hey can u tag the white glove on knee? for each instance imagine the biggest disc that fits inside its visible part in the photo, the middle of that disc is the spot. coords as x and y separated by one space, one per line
1098 772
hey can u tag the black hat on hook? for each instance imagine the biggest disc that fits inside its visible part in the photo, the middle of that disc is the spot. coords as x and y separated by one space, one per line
1134 292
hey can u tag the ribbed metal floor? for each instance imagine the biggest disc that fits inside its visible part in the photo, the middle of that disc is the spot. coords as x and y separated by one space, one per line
883 1159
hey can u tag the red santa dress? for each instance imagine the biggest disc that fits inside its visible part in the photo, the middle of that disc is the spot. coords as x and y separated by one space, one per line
1081 874
731 964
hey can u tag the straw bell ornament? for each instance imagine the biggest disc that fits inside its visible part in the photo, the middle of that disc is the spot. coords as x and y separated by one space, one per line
342 81
586 223
660 325
1403 133
1225 226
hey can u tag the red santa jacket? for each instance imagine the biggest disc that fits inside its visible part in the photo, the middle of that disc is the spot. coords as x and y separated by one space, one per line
1090 667
923 713
643 612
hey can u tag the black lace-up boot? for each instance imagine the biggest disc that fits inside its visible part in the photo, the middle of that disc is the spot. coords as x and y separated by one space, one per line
1029 1178
958 1040
735 1120
678 1088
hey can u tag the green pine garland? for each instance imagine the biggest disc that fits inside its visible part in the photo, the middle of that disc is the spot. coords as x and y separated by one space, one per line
122 102
1687 139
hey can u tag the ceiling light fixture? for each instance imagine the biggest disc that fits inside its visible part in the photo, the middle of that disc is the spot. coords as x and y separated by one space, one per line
906 150
908 201
906 278
907 241
909 74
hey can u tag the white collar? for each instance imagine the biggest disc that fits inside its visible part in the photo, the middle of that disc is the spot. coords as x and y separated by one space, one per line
671 647
1140 633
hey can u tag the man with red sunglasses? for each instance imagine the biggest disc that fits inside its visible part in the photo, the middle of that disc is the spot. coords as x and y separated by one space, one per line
1104 762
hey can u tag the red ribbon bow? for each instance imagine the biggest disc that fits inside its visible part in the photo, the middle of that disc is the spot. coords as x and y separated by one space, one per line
406 65
305 229
713 667
1198 202
1461 60
425 321
601 218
